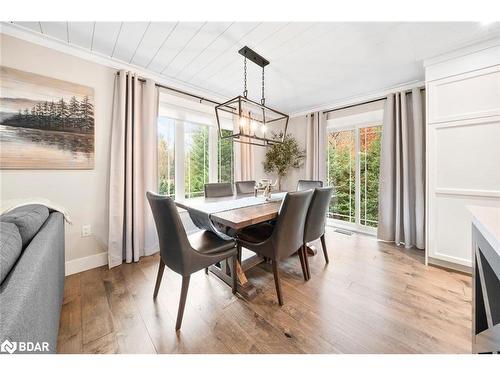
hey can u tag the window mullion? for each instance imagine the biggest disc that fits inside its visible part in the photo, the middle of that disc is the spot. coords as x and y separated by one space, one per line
179 159
213 145
357 178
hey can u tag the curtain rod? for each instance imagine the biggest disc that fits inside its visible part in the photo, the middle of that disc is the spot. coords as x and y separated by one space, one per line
200 98
367 102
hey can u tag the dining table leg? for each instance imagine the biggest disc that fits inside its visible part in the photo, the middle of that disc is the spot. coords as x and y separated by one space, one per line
244 287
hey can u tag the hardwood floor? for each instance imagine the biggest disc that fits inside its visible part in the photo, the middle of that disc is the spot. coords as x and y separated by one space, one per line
372 298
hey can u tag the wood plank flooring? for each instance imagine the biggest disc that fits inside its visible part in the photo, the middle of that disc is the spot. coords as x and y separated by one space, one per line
372 298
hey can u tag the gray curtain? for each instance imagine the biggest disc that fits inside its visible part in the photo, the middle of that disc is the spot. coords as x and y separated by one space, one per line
401 211
316 146
133 170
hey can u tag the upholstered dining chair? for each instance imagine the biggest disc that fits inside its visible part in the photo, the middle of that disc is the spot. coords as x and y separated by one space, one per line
218 189
315 221
182 254
308 184
244 187
279 241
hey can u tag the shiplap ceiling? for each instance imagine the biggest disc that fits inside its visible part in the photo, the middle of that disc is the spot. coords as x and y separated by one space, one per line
311 63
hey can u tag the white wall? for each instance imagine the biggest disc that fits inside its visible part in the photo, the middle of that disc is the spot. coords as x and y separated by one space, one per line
297 128
82 192
463 148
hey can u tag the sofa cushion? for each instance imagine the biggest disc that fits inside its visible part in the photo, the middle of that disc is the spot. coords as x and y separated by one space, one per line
28 220
10 248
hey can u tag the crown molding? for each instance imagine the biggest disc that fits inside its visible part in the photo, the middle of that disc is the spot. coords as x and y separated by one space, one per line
361 98
50 42
465 50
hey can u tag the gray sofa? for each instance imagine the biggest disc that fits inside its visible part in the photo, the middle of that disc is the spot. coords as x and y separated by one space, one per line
31 277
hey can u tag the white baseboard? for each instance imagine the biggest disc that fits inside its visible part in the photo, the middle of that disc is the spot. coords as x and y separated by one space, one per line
449 265
86 263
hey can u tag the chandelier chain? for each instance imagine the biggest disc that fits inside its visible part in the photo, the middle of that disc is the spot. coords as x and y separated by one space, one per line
245 92
263 100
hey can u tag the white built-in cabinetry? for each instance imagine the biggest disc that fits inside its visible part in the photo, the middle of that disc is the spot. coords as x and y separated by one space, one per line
462 148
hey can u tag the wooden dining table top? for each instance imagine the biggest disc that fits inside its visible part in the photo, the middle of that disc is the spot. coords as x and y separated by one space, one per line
240 218
236 218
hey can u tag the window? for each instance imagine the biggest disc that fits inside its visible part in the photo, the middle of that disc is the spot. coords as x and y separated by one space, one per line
369 158
196 159
166 156
225 158
341 168
353 163
190 153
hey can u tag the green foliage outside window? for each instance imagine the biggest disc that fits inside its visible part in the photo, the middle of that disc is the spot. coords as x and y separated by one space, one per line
196 159
225 158
341 173
370 169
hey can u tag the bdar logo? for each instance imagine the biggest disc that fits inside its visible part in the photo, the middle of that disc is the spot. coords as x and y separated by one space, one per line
8 346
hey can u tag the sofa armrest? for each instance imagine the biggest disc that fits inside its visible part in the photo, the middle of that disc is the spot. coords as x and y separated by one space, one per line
31 296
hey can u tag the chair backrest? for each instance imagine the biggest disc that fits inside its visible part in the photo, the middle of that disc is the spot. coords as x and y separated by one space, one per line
308 184
288 234
218 189
316 214
244 187
175 249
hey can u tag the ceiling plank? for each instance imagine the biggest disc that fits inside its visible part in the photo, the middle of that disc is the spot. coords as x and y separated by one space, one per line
56 30
212 32
231 42
80 33
181 35
297 44
229 71
105 36
156 34
128 40
188 43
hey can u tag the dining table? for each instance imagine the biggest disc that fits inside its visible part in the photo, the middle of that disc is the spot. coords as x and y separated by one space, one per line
226 217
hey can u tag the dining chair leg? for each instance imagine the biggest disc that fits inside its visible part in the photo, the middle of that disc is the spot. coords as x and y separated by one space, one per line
235 274
302 264
306 261
161 268
206 271
182 302
277 282
323 244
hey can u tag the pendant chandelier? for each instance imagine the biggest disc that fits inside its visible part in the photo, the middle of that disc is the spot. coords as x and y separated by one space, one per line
252 122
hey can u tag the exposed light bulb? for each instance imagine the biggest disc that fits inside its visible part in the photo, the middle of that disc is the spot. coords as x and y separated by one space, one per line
242 121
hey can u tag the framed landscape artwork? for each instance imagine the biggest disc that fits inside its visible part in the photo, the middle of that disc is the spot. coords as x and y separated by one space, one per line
45 123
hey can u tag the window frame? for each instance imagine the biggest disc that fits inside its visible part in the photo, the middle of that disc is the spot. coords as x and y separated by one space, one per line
158 157
356 226
179 152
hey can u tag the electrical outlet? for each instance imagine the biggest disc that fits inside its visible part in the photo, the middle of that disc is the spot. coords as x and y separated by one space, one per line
86 230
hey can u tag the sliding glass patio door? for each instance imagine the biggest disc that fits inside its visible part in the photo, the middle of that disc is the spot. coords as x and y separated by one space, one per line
353 161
